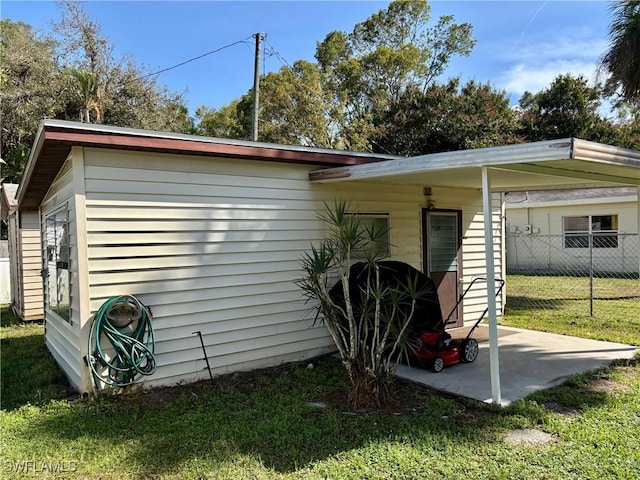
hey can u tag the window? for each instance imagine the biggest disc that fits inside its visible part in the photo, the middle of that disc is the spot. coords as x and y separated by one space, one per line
378 223
602 228
57 268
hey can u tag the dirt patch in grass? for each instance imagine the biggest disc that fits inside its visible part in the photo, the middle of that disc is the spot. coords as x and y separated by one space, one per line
605 384
331 390
474 417
408 399
563 409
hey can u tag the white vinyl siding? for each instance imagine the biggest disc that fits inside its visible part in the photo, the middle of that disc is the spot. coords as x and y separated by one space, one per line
214 245
15 268
62 337
209 245
26 263
31 265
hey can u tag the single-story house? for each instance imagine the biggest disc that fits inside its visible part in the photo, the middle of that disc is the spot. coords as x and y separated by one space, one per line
208 233
23 228
549 230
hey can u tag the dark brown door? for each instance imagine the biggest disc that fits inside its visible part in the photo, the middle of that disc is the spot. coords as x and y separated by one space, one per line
443 258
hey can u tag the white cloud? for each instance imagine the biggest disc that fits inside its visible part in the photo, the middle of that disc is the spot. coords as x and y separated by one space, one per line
533 67
534 77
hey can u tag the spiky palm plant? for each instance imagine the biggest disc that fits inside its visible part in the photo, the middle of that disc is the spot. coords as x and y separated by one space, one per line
368 323
622 60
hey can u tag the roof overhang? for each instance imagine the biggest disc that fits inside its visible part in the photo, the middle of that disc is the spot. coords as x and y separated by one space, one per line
56 137
8 203
555 164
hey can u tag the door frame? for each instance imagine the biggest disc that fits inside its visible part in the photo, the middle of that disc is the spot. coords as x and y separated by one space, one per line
425 211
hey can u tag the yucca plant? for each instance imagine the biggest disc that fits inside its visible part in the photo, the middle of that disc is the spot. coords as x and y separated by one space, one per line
368 319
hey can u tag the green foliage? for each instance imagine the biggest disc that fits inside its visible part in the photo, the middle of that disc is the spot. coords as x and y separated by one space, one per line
446 117
376 89
622 61
336 102
230 121
28 91
13 165
567 108
73 75
294 107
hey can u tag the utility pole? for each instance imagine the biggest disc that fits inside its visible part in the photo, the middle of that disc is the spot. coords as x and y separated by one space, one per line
256 87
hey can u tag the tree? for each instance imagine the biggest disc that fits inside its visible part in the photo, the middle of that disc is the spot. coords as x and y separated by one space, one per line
369 325
336 102
567 108
91 98
74 76
384 55
294 108
29 85
446 117
109 89
627 125
622 60
230 121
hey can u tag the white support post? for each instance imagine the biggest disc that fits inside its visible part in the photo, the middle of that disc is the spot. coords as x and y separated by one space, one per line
494 360
638 229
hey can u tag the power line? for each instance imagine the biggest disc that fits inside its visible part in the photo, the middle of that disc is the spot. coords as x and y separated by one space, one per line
244 40
274 52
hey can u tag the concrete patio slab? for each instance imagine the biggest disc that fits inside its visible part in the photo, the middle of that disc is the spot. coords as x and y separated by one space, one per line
529 361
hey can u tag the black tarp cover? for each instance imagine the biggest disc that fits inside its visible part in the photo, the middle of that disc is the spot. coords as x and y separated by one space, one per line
393 274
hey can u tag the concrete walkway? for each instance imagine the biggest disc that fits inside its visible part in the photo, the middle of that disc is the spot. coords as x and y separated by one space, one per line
529 361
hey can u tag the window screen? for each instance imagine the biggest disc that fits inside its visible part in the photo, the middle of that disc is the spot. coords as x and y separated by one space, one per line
378 222
602 228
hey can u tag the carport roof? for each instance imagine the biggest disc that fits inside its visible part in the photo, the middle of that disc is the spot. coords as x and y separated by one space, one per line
555 164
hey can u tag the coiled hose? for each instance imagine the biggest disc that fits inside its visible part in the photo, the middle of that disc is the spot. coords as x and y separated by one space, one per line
121 342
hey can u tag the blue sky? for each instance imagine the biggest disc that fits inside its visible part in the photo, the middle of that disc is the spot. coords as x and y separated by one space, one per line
521 45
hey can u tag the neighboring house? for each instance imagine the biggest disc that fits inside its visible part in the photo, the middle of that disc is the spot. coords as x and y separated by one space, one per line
25 259
208 233
550 230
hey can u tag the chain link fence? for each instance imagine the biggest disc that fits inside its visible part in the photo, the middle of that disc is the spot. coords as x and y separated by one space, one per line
546 270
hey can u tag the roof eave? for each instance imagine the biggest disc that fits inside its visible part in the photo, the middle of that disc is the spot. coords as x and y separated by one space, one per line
55 138
31 162
480 157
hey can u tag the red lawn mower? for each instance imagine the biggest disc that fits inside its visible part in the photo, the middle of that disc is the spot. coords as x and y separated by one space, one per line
436 349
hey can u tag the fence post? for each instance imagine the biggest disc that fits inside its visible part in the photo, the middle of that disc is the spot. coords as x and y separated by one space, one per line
591 274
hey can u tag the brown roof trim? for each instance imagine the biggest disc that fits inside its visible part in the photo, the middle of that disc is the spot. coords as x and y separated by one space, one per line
55 138
194 147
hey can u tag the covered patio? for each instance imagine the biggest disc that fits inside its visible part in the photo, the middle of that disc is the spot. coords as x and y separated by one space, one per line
529 361
549 165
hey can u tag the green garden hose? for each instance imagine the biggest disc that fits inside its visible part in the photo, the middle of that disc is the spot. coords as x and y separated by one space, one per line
121 342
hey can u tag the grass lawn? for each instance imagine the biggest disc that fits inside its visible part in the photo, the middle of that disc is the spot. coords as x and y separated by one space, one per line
260 425
561 305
